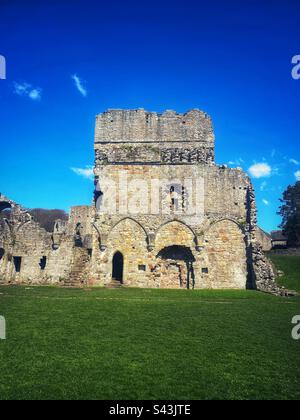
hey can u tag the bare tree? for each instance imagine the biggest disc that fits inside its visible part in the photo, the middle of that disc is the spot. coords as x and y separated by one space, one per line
46 218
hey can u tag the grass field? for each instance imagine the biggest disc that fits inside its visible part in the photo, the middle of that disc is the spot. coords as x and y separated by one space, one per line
290 265
147 344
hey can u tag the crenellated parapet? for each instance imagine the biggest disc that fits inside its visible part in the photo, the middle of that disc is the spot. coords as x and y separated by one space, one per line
138 136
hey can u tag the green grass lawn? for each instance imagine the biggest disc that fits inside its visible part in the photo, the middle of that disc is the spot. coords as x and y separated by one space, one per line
290 265
147 344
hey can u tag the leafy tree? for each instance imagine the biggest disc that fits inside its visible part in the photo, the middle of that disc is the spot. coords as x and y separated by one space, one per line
290 213
46 218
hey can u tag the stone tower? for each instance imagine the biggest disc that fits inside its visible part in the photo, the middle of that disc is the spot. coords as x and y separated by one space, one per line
167 215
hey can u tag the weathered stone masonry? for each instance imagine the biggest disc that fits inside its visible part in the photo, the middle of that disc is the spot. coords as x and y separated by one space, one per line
169 246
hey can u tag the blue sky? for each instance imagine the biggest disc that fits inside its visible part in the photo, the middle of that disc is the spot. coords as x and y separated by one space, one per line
70 60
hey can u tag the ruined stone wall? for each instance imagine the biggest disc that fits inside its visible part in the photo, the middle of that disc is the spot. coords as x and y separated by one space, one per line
178 219
224 192
142 126
82 215
218 256
148 137
31 255
32 243
135 151
225 256
5 244
264 239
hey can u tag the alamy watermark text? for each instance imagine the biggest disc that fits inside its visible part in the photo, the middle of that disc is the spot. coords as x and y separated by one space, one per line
2 328
296 329
2 67
296 68
130 195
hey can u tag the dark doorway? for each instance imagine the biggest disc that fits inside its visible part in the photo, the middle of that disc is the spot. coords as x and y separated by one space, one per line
17 264
78 236
118 267
2 253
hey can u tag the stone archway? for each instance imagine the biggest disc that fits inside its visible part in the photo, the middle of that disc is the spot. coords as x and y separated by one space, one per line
5 205
129 238
175 265
5 210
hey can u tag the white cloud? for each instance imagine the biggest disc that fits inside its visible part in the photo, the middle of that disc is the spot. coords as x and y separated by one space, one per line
237 162
21 88
87 172
297 175
25 89
79 85
263 186
260 170
35 94
294 161
266 202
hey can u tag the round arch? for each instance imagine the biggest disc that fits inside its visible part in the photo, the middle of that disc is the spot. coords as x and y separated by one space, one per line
5 205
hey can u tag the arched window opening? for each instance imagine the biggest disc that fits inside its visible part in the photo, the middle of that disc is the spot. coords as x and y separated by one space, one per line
43 263
5 210
183 198
177 198
18 264
4 205
78 235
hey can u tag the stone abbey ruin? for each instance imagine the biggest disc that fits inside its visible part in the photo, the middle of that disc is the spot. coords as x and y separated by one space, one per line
197 230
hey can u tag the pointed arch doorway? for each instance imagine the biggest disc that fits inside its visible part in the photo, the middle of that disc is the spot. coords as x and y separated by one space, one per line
118 267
